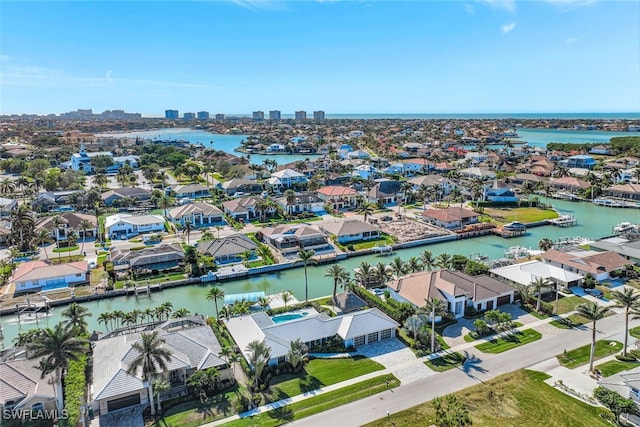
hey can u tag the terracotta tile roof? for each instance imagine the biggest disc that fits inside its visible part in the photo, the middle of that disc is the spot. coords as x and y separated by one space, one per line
337 190
449 214
597 263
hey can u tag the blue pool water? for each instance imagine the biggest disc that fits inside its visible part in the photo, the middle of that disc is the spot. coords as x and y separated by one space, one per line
288 317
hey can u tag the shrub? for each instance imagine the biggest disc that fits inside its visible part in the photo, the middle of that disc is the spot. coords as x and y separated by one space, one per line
75 383
627 358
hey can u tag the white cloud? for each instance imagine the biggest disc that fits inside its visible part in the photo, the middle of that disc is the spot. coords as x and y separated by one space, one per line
571 40
4 58
570 4
469 8
507 28
506 5
255 5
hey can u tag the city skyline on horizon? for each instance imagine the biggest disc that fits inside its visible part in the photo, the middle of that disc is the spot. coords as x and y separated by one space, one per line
449 57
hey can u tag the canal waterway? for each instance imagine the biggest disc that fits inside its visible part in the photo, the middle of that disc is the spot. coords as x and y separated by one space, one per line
593 221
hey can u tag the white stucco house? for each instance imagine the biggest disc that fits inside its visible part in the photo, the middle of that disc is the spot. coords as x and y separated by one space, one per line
40 276
127 225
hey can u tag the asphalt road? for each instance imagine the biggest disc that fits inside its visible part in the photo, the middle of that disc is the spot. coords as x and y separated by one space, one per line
480 367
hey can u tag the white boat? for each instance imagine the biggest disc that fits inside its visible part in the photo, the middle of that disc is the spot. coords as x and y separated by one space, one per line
607 202
386 249
515 252
625 227
564 221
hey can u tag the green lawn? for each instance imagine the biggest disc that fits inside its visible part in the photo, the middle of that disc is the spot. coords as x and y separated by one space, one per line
67 249
580 356
523 214
320 403
635 332
194 413
320 373
567 304
368 244
520 398
446 362
612 367
570 321
472 336
500 345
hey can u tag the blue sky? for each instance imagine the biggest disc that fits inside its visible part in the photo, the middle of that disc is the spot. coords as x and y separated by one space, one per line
489 56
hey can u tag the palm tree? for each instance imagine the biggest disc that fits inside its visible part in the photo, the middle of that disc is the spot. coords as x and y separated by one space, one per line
339 275
305 257
414 323
435 307
214 295
164 203
104 318
592 312
629 300
537 286
444 261
76 314
382 273
84 226
286 297
7 187
181 312
151 356
57 347
428 260
188 227
258 357
218 228
297 355
414 265
44 237
398 267
366 209
264 302
364 274
290 197
100 180
166 308
545 244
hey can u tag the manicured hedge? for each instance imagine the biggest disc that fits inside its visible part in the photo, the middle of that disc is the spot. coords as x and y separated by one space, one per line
75 384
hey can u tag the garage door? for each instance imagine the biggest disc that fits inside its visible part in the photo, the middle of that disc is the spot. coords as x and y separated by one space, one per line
504 300
123 402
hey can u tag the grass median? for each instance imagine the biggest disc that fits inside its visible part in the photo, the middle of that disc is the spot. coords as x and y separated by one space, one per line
509 341
580 356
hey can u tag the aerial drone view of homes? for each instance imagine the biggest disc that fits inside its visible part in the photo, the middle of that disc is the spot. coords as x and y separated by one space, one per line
85 218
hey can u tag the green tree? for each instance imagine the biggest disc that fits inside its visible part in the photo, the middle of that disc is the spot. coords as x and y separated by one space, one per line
538 284
286 296
435 307
258 355
306 256
545 244
339 275
629 300
151 356
428 260
215 294
76 315
297 355
617 404
56 348
592 312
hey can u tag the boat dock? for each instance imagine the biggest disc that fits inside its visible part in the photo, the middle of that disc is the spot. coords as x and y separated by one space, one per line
563 221
30 309
507 234
383 250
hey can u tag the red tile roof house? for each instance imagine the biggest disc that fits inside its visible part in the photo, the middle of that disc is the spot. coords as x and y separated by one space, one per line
458 289
338 197
39 276
569 183
450 218
599 264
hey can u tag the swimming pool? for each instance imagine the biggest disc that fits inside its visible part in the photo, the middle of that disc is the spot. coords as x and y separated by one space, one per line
288 317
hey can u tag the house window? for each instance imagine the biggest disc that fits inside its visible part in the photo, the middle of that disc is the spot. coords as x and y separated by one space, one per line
37 407
79 275
281 359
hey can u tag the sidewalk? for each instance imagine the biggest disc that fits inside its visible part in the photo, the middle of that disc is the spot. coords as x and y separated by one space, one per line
396 368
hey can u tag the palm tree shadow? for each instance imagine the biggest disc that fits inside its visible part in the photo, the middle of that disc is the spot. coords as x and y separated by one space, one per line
309 383
283 414
471 363
205 409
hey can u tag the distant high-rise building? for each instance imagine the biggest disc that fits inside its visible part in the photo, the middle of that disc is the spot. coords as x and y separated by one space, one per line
203 115
258 115
274 115
189 116
171 114
301 115
219 116
318 116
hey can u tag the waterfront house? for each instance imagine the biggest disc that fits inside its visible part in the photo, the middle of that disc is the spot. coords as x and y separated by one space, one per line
227 249
240 185
624 191
6 206
569 183
458 289
338 197
188 191
67 222
191 344
199 214
286 178
450 218
384 192
24 390
49 200
289 238
444 185
582 161
162 257
241 209
315 329
302 202
35 276
527 272
601 149
350 230
123 226
112 197
498 193
599 264
630 249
